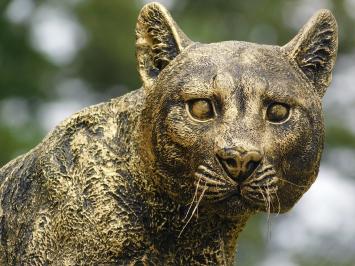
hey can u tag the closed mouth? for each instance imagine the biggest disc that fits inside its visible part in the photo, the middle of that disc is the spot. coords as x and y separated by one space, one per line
235 192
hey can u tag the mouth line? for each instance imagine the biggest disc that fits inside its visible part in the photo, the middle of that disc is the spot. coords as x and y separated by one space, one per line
229 188
236 192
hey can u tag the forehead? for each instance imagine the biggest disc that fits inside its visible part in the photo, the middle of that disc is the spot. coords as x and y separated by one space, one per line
247 64
237 57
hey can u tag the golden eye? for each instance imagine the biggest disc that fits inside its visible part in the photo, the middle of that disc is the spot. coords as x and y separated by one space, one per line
201 109
277 112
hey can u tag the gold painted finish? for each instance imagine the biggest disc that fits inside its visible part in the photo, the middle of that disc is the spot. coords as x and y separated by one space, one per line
170 173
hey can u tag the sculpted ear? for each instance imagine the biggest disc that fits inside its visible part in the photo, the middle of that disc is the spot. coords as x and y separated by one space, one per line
314 49
158 41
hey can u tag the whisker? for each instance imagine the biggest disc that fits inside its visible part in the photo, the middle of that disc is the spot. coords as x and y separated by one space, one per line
219 191
256 185
253 197
210 185
261 177
214 197
209 180
263 196
267 201
289 182
270 181
263 169
266 174
210 173
252 191
249 197
193 199
268 214
248 189
194 210
279 204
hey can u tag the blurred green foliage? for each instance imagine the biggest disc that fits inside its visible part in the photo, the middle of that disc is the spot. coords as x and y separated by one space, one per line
109 57
338 136
106 63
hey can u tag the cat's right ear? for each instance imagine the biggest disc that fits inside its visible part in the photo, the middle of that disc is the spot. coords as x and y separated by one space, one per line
314 49
158 41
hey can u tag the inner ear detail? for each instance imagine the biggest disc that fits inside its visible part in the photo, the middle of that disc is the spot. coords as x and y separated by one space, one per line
159 38
314 49
158 41
317 54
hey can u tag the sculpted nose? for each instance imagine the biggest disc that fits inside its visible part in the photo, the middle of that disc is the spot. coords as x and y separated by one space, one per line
239 164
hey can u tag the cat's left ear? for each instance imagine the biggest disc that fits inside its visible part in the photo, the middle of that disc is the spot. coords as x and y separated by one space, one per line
158 41
314 49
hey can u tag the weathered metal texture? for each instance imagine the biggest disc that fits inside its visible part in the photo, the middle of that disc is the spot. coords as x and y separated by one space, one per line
170 173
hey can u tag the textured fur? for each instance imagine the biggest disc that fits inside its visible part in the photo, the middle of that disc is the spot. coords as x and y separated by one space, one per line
141 180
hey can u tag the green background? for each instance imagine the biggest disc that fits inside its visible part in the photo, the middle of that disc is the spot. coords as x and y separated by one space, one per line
57 57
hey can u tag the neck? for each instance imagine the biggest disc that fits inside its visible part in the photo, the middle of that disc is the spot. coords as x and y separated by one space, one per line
205 238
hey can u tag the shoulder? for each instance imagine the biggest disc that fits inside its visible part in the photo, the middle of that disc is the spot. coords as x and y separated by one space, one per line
99 119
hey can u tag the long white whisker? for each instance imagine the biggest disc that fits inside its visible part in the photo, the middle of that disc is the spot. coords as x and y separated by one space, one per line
268 211
289 182
194 210
278 202
193 199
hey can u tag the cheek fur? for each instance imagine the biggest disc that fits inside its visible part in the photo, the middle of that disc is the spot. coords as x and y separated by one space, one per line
282 138
296 147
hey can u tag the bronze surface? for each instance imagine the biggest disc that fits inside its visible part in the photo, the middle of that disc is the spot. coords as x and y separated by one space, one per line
170 173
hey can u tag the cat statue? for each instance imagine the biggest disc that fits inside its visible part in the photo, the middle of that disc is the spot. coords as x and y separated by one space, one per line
169 174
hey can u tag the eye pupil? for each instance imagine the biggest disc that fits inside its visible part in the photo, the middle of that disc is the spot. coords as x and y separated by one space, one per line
277 112
201 109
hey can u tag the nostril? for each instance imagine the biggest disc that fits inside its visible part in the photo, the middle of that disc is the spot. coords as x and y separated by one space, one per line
239 165
230 165
231 162
251 166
